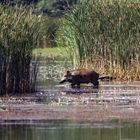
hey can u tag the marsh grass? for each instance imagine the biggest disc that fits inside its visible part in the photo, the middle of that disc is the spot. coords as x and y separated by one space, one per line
20 32
104 35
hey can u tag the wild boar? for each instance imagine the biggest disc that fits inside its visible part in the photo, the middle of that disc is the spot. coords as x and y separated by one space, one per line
79 76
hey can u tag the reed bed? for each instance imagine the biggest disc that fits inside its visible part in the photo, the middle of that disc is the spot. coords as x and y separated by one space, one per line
104 35
20 32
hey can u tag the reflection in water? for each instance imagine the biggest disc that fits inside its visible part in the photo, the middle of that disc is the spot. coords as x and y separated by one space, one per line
69 130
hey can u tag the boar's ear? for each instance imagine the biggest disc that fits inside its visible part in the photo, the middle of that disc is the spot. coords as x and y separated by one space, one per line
68 72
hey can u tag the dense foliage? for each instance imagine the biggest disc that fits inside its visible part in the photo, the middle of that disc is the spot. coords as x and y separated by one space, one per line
18 1
49 7
105 34
20 32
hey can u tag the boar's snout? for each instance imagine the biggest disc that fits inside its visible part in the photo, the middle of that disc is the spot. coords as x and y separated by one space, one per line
63 80
66 78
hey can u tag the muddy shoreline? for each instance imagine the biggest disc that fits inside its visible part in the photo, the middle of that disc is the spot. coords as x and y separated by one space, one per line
111 101
90 112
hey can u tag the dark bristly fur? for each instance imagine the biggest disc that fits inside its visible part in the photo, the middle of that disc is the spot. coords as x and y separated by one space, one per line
79 76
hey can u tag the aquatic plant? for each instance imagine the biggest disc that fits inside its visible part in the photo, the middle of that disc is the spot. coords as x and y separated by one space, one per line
20 32
105 34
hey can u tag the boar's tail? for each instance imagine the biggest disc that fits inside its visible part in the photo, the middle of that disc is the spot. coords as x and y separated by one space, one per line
106 78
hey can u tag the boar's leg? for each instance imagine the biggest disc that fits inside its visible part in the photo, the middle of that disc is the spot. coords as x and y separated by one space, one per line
75 85
96 84
78 85
72 85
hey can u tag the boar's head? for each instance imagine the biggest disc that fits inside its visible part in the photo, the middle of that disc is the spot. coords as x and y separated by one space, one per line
67 77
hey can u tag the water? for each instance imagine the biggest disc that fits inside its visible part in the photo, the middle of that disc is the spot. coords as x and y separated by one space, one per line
110 93
69 130
57 112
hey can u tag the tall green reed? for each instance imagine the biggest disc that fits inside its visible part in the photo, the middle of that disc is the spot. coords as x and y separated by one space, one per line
98 30
20 32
